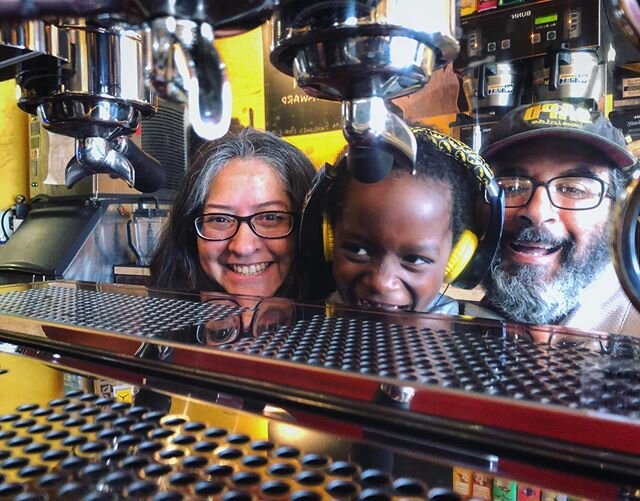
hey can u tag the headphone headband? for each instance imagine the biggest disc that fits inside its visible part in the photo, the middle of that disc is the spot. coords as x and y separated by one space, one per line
458 151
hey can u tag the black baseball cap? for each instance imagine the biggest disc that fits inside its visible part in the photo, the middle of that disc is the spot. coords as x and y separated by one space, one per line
557 119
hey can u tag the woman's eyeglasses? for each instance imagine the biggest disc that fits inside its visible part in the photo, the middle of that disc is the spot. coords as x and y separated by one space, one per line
267 224
565 192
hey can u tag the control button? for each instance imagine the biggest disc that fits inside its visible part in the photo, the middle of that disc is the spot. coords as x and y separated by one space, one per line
491 47
535 38
551 35
505 44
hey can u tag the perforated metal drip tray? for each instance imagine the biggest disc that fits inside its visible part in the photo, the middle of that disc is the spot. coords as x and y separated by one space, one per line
86 447
573 371
570 374
116 312
589 372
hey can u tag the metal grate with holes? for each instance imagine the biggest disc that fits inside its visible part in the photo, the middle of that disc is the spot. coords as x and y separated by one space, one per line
123 313
86 447
567 374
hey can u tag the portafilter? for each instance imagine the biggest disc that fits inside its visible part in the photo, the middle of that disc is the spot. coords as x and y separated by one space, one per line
364 53
95 76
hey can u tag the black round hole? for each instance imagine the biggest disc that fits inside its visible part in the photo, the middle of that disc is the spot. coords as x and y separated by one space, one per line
149 447
374 478
156 470
171 453
34 470
55 455
343 469
374 495
14 463
219 470
305 496
282 469
94 471
181 479
205 446
254 461
314 460
52 479
275 488
142 488
174 421
238 438
135 462
215 432
10 489
442 494
194 462
310 478
230 454
184 439
341 488
245 479
117 479
161 433
409 487
287 452
208 488
73 490
262 445
236 496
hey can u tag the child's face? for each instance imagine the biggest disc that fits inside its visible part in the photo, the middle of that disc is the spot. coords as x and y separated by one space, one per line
392 242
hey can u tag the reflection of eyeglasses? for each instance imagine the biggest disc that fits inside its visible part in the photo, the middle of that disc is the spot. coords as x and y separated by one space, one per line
267 224
265 315
565 192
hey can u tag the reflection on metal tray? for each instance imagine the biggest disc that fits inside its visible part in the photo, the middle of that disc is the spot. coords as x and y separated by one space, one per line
126 314
408 369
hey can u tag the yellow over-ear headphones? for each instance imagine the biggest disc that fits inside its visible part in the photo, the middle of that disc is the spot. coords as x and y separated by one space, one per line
470 257
460 256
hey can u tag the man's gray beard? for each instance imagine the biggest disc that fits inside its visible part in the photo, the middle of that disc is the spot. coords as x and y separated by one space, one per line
522 295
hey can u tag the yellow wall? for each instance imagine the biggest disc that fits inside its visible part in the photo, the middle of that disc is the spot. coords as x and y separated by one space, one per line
14 150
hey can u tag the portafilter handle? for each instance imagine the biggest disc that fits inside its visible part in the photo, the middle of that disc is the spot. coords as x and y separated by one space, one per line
119 158
377 137
625 239
187 69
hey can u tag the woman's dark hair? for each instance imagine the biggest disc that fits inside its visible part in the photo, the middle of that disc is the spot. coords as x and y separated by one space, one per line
431 163
175 265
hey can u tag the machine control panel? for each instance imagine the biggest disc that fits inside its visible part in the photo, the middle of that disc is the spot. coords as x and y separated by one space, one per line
529 30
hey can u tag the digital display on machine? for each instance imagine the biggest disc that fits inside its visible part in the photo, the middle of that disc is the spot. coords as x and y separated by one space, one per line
549 18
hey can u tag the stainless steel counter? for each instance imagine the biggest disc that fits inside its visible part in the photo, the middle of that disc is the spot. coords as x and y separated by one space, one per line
549 407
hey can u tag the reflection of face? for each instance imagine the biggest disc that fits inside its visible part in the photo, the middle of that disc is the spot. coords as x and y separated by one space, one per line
246 263
392 242
547 255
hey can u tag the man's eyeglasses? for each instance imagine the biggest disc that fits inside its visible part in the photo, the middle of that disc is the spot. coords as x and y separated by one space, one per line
267 224
565 192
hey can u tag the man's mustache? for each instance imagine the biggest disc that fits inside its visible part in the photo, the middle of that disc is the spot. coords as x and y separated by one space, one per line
540 235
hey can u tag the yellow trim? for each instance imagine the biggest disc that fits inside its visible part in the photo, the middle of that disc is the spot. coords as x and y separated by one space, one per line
327 238
460 256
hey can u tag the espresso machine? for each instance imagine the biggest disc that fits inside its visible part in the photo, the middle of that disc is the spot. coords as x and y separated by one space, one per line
529 52
92 76
123 392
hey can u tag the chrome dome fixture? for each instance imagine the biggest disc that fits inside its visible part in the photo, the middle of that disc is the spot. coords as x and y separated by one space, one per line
364 53
95 75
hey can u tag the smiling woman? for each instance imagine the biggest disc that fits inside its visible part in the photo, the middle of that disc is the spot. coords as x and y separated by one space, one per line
232 228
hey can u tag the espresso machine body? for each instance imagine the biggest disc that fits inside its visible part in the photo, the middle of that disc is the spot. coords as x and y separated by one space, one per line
525 53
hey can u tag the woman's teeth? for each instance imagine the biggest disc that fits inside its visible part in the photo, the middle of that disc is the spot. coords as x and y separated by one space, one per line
248 269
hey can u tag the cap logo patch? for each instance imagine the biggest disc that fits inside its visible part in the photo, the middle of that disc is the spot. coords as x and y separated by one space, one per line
557 114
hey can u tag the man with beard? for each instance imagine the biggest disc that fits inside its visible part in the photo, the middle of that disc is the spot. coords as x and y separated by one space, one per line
561 168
